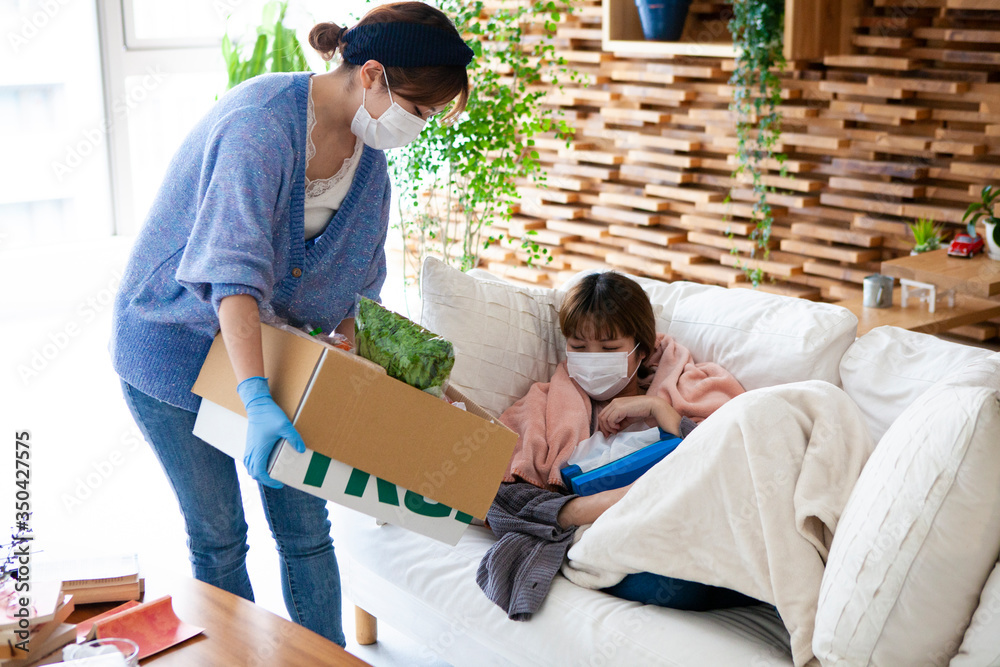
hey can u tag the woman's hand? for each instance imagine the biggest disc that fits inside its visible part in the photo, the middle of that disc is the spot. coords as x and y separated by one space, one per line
267 425
239 320
623 412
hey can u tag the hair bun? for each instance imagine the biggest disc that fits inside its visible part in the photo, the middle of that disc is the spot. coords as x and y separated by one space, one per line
326 39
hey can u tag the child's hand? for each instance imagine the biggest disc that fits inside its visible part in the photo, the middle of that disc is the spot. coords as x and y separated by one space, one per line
623 412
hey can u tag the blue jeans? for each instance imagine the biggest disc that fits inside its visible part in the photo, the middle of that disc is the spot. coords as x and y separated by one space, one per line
208 491
649 588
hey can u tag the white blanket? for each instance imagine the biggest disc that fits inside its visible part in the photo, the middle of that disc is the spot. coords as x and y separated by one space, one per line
749 501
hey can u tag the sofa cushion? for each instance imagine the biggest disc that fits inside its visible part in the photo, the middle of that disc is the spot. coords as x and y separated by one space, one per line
428 590
763 339
506 336
921 530
981 644
885 370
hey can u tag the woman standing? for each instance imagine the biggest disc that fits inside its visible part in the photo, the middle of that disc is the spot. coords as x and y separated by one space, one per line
275 206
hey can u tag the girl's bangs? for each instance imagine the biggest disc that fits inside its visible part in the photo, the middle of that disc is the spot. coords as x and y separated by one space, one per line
593 324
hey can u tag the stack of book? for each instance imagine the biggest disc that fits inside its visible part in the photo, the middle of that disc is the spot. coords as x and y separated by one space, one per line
44 620
103 579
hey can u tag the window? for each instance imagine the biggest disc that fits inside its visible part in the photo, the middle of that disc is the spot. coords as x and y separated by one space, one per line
54 182
164 69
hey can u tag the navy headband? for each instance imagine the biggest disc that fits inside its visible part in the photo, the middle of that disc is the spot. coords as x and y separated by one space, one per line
404 45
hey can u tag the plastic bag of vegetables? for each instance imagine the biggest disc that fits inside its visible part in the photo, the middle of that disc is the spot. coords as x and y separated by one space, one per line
406 350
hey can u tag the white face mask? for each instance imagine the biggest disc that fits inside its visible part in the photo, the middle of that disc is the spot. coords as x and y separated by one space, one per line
394 128
600 374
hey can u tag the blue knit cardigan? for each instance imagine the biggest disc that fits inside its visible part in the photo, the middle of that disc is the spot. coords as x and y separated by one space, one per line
228 220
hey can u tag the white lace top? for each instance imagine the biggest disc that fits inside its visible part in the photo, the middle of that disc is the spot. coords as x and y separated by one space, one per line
324 196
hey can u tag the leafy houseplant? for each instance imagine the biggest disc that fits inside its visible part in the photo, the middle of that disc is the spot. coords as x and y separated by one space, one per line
276 48
926 235
456 179
757 27
984 209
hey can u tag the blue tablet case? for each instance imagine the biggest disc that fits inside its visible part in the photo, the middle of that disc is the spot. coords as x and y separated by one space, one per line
621 472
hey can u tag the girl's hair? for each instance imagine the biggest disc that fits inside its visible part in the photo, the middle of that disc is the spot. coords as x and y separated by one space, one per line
431 86
609 305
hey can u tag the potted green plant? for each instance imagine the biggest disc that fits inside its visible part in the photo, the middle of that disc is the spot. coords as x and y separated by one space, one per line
926 235
275 49
983 209
663 20
757 27
455 180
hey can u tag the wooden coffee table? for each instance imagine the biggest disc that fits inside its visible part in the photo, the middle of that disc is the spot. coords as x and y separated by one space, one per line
237 632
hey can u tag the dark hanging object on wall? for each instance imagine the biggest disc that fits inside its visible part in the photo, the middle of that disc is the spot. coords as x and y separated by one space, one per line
663 20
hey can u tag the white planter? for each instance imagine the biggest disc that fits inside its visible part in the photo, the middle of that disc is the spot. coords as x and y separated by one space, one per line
914 251
993 250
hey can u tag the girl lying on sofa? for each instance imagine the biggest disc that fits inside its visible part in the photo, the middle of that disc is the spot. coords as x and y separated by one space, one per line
619 372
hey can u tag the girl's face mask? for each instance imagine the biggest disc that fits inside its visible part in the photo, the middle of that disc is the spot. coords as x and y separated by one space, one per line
601 374
394 128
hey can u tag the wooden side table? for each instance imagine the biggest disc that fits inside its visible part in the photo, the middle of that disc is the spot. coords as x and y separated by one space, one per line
237 632
979 276
917 316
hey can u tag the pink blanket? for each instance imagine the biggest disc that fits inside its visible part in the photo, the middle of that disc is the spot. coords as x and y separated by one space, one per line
553 417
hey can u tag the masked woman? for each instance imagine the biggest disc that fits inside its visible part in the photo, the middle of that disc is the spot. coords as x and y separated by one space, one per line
275 206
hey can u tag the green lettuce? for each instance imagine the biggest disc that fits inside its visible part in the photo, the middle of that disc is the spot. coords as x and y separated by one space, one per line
406 350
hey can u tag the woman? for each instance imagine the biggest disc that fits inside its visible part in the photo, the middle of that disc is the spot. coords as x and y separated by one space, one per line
618 372
275 206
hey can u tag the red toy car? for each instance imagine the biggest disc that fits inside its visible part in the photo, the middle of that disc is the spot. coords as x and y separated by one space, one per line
964 245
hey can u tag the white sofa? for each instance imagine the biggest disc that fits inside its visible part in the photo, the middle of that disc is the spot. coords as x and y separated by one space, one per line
891 594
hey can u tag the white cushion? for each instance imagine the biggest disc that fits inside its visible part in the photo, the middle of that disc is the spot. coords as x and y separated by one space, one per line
762 339
981 645
921 531
888 368
506 336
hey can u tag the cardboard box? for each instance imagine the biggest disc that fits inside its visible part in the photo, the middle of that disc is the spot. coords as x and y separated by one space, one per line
374 443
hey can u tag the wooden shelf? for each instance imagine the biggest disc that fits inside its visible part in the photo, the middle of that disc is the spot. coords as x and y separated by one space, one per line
704 35
703 49
813 30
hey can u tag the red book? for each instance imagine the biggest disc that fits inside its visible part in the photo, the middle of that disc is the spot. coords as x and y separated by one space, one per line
152 625
83 628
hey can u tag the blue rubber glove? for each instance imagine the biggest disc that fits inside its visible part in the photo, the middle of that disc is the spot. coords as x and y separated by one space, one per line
268 424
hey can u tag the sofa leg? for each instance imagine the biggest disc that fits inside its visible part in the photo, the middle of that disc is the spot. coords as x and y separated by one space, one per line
365 627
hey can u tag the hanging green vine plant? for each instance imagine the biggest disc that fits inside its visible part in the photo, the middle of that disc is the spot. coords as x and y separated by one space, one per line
757 27
456 179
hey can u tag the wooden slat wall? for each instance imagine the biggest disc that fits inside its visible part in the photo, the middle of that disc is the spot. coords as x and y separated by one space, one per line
907 126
